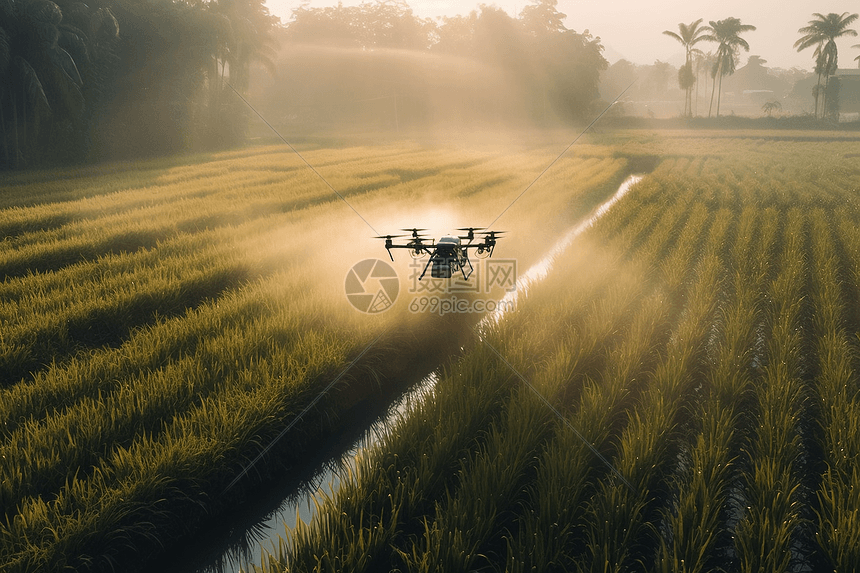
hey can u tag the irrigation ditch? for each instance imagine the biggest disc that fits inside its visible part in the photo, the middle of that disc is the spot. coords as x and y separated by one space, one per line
237 538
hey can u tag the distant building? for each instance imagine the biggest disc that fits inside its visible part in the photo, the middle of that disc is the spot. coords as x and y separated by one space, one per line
849 91
751 86
755 83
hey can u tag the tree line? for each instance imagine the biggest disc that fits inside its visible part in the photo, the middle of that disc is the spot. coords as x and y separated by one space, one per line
533 59
821 33
131 78
124 78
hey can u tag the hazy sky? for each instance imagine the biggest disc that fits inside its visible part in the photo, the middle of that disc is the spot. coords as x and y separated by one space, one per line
632 29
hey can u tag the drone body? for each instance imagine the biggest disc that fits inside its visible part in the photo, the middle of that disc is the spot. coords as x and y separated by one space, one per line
449 254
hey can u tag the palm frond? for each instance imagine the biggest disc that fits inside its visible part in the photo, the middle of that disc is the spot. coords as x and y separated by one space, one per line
63 60
44 11
5 52
30 83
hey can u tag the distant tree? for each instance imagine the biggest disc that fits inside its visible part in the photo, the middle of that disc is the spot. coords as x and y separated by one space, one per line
336 26
542 17
113 78
822 33
251 39
564 65
177 61
54 77
657 79
704 62
237 34
380 24
686 81
688 35
818 89
499 40
393 24
727 34
554 72
617 77
456 34
769 107
573 62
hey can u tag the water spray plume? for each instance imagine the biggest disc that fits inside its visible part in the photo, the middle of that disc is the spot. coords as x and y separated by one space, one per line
415 232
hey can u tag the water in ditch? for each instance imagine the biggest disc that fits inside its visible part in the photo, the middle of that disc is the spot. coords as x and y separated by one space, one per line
251 544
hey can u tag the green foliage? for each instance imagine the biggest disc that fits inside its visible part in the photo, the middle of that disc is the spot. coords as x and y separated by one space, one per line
822 33
117 79
726 33
480 68
55 79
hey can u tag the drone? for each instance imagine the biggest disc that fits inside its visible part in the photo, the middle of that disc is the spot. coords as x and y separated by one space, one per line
449 255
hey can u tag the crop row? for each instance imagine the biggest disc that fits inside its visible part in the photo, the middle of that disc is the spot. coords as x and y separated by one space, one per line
698 340
137 384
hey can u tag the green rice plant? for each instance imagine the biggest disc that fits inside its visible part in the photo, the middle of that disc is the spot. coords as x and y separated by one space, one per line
700 408
607 402
215 425
837 527
195 394
562 494
766 533
836 514
303 548
618 526
394 487
468 522
675 267
697 524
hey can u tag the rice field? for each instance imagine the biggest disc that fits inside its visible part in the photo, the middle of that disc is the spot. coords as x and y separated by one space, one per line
167 327
679 394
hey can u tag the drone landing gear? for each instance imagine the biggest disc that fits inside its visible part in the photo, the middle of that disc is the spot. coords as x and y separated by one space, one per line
444 267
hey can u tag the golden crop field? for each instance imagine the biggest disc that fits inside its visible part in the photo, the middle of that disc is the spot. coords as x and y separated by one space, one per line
174 332
680 394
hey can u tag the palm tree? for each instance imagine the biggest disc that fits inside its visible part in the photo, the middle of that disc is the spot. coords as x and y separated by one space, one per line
727 34
703 63
245 31
48 79
822 33
770 107
689 36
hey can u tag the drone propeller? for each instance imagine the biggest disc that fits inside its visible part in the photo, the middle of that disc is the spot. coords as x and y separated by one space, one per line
471 230
414 232
492 235
388 237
